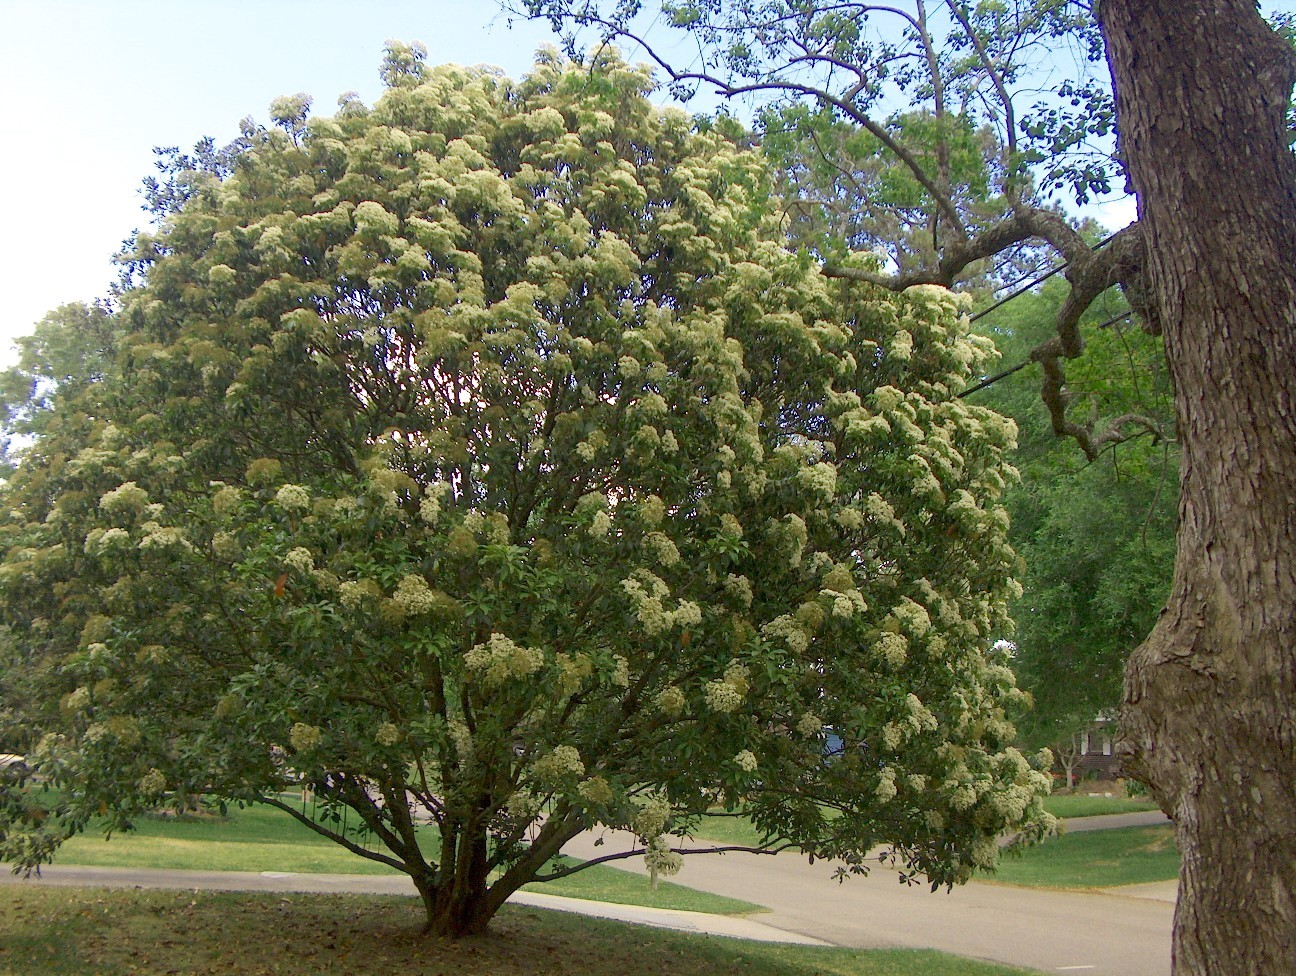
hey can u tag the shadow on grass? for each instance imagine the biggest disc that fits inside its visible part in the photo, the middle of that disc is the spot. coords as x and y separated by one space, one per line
58 932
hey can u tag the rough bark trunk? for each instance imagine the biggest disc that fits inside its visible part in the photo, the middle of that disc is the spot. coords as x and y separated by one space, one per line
1210 697
457 905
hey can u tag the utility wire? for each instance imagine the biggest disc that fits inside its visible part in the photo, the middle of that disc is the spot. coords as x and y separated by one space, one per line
1033 282
1021 291
1022 365
993 379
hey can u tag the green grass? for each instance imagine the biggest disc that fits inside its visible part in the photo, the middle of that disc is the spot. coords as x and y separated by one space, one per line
1095 859
263 838
739 830
96 932
736 830
1078 805
255 838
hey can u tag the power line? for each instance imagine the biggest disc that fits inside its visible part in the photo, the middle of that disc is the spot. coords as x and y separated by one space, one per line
993 379
1022 365
1033 282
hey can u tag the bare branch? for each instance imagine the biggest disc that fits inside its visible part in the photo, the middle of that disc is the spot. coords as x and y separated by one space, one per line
640 851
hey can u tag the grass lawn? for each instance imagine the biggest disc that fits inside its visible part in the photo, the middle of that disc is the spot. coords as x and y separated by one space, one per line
1079 805
739 830
1095 859
262 838
96 932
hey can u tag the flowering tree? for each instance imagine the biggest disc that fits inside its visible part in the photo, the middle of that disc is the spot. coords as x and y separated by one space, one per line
481 458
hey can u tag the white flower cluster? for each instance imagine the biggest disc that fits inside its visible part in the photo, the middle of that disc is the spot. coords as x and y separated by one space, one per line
162 537
303 737
292 498
647 593
787 629
500 658
746 761
661 860
563 762
430 506
739 587
128 497
353 593
600 525
101 541
901 346
388 734
670 701
892 648
885 790
225 544
726 695
595 791
299 559
662 548
809 724
413 596
652 816
461 738
819 479
920 717
886 398
522 805
892 736
573 669
846 604
152 783
651 511
985 853
226 500
588 449
79 700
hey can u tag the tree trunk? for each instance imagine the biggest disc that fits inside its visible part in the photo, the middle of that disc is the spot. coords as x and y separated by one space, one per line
460 904
1210 697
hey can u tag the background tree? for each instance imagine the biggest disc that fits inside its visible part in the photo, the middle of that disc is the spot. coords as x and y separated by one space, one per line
934 85
483 457
69 348
1096 538
1208 267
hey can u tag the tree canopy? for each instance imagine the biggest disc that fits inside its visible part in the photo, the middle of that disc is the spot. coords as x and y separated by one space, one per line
483 457
1096 538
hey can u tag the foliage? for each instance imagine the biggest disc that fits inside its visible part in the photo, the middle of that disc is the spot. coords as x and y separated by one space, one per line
482 457
917 138
70 348
1096 539
845 194
919 76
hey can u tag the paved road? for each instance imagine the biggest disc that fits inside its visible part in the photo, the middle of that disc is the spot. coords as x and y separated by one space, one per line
1091 934
1121 932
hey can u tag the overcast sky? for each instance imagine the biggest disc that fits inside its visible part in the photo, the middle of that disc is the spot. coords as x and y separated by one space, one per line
92 85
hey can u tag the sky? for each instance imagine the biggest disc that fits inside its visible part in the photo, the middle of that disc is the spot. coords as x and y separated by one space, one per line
93 85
